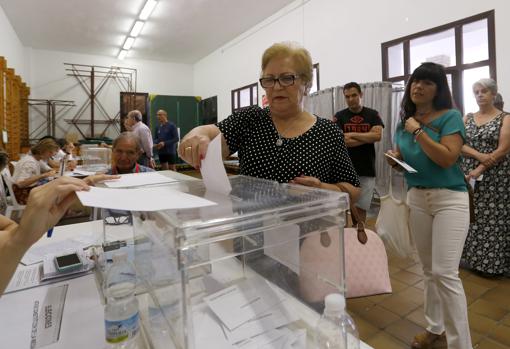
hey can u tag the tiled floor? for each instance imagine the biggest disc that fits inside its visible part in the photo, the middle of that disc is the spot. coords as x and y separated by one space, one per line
391 321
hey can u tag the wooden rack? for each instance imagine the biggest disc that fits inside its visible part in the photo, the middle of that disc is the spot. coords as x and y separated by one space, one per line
13 111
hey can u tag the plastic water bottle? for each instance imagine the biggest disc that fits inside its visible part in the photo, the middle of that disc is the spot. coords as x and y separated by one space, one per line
336 329
122 320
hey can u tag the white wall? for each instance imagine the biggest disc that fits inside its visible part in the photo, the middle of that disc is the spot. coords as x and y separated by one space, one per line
49 81
344 37
11 47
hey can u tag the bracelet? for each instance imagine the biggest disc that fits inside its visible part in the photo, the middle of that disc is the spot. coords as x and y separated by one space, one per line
418 130
418 133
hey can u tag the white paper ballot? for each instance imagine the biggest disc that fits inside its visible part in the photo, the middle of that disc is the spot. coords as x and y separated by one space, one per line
212 169
238 304
140 199
404 164
138 179
25 277
276 317
284 245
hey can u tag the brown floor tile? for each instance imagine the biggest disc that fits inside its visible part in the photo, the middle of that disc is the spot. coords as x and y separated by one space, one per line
398 305
470 299
402 263
420 285
488 309
491 283
476 337
506 320
366 330
474 289
418 317
412 294
407 277
393 269
481 323
498 295
380 317
404 330
379 298
490 344
501 334
359 305
464 273
397 286
417 269
382 340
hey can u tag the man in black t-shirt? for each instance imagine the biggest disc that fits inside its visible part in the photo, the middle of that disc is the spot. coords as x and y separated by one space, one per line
362 127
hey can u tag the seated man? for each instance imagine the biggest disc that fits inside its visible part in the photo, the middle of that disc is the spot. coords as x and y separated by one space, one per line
126 150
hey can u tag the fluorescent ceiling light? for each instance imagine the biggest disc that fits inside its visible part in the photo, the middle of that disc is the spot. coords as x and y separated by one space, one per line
147 9
122 54
128 43
137 28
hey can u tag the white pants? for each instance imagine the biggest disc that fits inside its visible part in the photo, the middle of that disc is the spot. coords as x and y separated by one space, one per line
439 222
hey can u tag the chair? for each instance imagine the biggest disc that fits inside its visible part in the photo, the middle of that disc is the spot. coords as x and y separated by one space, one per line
13 205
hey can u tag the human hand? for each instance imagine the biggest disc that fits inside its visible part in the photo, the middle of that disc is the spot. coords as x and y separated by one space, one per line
193 149
307 181
50 173
477 172
161 145
395 154
152 163
97 178
45 206
489 160
411 125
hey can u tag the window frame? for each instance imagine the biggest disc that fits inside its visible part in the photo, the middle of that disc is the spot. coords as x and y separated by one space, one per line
459 67
315 68
254 100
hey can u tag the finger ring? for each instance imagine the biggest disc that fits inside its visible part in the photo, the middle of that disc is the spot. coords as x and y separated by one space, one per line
187 148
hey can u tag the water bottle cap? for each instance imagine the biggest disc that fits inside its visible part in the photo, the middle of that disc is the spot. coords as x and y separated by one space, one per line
119 256
335 303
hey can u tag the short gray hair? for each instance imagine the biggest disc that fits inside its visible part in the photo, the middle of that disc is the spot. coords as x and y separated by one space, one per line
488 83
498 101
135 114
129 136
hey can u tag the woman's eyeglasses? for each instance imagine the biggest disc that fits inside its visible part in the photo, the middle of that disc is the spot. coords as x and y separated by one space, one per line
283 80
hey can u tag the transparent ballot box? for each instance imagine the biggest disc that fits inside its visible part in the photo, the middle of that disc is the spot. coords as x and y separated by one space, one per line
95 159
252 269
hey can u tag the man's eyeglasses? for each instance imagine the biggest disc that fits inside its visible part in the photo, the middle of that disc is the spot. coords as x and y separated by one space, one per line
283 80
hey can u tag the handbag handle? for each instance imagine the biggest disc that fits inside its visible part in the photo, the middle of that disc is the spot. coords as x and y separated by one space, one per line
360 228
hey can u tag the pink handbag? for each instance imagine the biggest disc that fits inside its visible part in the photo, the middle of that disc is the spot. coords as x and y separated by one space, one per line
366 265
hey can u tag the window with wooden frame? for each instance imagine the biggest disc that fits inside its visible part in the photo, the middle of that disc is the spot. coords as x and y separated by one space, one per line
466 48
245 96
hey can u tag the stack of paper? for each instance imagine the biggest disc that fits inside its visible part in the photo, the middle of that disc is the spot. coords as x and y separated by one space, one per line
248 315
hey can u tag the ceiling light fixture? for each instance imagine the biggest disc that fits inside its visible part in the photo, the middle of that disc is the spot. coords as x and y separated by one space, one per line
147 9
137 28
122 54
128 43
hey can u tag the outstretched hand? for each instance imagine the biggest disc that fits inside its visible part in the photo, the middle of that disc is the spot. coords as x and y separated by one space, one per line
193 149
45 207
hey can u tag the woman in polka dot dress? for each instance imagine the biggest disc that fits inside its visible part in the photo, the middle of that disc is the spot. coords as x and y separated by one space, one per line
282 142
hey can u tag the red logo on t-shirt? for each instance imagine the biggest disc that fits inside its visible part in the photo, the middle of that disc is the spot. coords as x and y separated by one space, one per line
356 125
357 119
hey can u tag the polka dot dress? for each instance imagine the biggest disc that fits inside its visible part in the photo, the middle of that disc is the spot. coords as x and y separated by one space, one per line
319 152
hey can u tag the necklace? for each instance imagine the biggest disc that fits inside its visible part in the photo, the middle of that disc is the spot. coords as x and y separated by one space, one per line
279 141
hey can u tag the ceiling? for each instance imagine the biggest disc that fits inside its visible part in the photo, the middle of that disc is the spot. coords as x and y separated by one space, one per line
181 31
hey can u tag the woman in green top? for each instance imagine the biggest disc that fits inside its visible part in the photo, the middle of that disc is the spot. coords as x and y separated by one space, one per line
430 138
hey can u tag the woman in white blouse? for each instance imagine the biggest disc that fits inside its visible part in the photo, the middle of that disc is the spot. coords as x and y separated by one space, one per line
28 172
